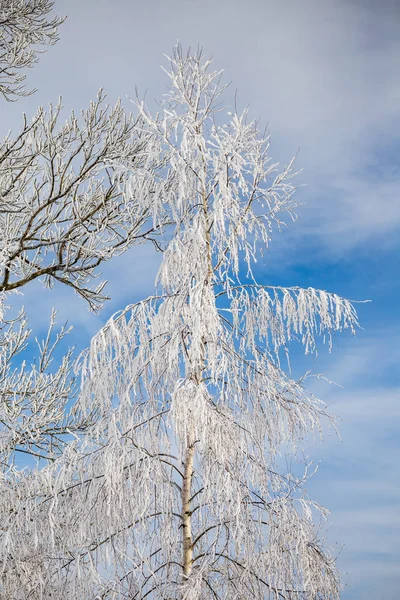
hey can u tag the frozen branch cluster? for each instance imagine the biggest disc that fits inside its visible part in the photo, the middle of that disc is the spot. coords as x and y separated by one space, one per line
35 399
62 211
178 490
24 27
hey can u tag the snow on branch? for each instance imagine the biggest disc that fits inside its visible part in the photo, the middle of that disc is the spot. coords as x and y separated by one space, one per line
276 315
63 204
25 26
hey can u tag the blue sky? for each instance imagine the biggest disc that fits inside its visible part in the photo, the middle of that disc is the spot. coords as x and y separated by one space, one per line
325 76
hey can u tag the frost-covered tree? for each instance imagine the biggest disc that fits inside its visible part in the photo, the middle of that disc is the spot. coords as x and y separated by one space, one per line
179 490
62 214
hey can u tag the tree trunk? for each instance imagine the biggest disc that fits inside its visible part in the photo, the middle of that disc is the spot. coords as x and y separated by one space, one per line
186 509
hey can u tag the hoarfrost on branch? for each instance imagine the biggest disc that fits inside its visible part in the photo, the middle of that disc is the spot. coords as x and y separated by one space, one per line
178 489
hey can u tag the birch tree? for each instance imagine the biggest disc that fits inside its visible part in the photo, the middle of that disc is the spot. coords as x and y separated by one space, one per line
180 490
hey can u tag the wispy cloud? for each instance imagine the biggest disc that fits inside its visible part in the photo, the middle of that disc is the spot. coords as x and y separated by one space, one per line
323 74
359 473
